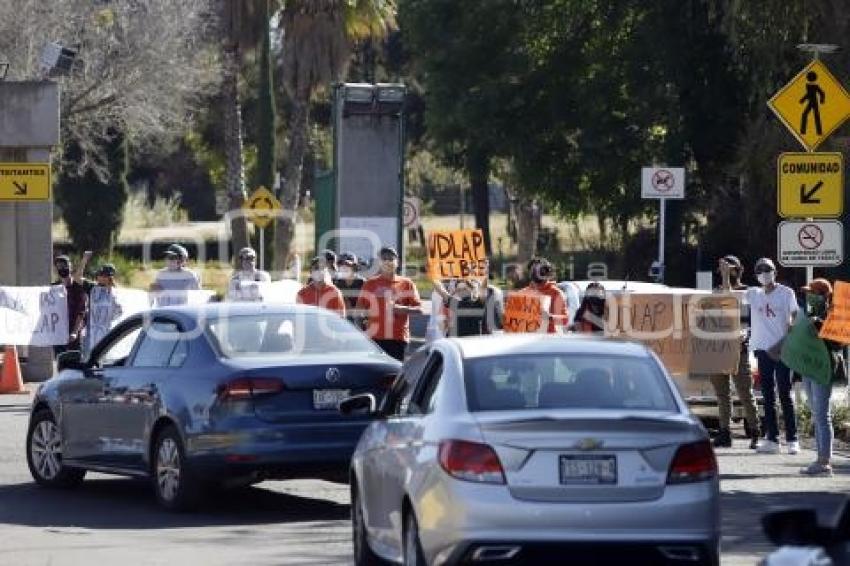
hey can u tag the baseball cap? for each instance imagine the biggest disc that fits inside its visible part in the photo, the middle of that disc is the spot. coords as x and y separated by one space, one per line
318 261
106 270
330 257
819 285
347 258
763 263
61 258
733 260
387 251
177 250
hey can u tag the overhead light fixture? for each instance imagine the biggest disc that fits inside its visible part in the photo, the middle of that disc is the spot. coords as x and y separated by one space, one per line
359 93
392 93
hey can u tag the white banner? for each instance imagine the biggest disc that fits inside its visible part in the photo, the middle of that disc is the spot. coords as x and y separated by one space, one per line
33 316
108 307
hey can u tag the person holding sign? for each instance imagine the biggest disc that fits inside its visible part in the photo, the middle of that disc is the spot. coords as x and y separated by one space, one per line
388 300
541 274
772 308
77 289
244 281
818 297
104 308
590 316
321 291
742 379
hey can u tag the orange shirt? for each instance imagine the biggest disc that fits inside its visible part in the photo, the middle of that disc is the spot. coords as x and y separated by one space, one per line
327 297
383 323
558 318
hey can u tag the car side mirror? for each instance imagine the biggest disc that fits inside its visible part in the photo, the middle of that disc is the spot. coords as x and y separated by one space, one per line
363 404
72 359
796 527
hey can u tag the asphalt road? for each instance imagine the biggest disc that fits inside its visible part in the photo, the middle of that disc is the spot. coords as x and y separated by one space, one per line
116 521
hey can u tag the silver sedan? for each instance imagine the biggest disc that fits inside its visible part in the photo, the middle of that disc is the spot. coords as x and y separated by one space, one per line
527 449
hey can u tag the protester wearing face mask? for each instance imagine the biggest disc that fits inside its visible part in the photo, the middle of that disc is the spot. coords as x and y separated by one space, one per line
175 279
541 274
348 281
818 297
590 316
466 310
243 282
77 289
772 309
388 299
742 379
321 291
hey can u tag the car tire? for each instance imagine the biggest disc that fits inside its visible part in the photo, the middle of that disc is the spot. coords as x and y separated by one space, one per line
44 454
176 488
413 555
363 554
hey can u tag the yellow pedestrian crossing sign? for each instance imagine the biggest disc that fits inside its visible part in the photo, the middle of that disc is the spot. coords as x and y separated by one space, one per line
812 105
811 185
261 207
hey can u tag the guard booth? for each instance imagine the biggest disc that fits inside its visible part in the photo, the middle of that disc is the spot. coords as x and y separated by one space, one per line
359 207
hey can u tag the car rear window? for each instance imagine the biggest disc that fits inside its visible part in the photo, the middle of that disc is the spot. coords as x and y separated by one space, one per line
293 333
566 381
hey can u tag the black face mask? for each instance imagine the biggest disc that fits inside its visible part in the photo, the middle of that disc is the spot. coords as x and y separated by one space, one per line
63 271
596 305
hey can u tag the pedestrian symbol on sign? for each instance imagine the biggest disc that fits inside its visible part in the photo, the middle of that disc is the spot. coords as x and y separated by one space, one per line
813 98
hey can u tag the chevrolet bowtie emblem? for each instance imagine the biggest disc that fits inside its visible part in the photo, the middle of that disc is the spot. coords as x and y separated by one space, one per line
589 444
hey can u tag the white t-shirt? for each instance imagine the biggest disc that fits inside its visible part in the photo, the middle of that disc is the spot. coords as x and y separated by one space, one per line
771 315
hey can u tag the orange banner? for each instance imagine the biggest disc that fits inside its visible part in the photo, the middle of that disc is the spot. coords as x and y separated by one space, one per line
837 325
456 254
523 313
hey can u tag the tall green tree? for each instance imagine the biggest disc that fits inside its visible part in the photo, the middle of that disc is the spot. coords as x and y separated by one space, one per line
317 38
266 116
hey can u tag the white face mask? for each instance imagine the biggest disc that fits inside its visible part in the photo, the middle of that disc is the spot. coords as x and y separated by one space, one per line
345 272
767 278
318 276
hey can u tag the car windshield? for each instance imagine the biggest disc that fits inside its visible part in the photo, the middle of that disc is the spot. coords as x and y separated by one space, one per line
291 333
566 381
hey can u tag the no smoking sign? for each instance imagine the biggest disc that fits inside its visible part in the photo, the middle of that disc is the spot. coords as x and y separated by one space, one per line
803 244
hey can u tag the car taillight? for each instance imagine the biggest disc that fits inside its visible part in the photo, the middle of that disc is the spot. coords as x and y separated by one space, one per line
248 387
693 462
471 461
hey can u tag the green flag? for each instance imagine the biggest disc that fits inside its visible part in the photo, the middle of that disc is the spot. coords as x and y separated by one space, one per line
805 353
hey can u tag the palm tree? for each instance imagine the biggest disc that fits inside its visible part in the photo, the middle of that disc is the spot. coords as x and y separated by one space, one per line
318 39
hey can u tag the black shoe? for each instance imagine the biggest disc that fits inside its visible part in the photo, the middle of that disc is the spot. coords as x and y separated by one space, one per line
723 439
754 435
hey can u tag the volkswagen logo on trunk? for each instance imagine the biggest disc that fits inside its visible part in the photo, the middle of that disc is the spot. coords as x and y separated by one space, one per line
332 375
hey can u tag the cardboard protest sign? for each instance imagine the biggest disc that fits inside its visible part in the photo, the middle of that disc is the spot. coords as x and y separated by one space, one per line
456 254
692 333
33 316
103 311
837 325
805 353
524 312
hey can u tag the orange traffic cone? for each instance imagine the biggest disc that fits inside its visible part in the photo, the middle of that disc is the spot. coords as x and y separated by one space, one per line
10 379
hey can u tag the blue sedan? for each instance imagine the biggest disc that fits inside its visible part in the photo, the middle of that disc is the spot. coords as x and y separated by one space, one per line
219 394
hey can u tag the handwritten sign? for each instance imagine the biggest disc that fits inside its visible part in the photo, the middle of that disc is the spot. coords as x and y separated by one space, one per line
33 316
837 325
691 333
456 254
524 312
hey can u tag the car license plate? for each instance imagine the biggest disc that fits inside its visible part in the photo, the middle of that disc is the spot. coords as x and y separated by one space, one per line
588 469
324 399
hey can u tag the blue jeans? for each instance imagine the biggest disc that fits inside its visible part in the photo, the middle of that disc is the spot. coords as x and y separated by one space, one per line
776 376
818 396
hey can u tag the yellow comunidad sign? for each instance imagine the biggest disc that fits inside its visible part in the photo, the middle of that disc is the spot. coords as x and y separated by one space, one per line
261 207
812 105
24 181
810 185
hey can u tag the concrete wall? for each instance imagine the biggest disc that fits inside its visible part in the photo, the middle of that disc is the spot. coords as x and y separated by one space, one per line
29 128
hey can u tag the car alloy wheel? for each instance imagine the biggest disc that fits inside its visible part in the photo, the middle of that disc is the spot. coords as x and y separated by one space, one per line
44 453
412 548
176 489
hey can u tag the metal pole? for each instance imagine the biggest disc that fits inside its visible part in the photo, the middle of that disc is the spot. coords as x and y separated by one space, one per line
262 248
810 270
661 221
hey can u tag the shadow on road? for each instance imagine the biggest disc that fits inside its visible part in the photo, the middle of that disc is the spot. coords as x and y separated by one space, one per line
130 504
743 510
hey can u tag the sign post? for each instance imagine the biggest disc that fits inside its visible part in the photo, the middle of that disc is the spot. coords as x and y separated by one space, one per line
662 183
261 208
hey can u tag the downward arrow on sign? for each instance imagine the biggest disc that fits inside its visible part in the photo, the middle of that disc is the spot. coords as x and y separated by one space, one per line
806 196
20 189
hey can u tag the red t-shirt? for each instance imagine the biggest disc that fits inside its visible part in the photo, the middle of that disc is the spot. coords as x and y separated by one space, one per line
375 298
328 297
